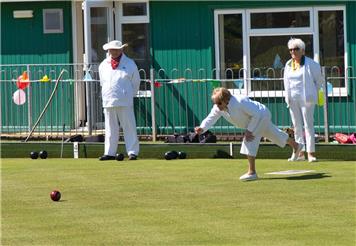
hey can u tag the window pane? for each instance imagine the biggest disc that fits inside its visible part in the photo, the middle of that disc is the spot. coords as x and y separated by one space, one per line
53 21
268 57
280 19
231 48
136 35
134 9
99 33
331 39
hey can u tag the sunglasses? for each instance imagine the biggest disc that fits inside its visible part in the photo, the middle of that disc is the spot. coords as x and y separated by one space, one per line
294 49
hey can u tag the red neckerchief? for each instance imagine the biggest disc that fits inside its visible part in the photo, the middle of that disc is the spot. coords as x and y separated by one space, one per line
115 62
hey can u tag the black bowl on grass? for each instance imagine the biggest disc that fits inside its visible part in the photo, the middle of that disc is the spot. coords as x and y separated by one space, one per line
119 157
168 156
34 155
182 155
43 154
174 154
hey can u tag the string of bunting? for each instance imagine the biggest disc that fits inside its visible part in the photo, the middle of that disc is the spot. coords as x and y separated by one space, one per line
215 82
23 82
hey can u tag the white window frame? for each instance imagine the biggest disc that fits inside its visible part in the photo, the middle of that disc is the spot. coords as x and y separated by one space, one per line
136 19
278 31
313 30
245 45
86 6
60 12
274 32
133 19
338 91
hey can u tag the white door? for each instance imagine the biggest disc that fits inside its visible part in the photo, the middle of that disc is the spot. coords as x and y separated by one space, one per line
98 29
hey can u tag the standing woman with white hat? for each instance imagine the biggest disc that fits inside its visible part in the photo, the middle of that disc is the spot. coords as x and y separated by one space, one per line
120 81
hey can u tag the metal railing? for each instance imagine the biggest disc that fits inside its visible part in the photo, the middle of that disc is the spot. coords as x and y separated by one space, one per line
168 101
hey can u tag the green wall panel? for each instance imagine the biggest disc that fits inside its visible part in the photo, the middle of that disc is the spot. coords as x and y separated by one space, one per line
23 42
181 37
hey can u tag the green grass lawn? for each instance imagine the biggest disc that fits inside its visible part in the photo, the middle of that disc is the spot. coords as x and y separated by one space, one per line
179 202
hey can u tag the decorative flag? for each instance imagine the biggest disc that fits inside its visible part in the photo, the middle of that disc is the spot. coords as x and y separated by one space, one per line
45 79
87 77
239 83
23 81
175 81
19 97
157 84
329 88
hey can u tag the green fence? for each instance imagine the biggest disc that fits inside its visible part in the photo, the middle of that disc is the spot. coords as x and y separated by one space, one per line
180 103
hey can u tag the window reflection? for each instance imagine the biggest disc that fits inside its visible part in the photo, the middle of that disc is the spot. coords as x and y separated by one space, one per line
280 19
134 9
231 48
268 55
331 36
99 33
136 35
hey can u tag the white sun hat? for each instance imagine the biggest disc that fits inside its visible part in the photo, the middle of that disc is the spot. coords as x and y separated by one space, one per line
115 45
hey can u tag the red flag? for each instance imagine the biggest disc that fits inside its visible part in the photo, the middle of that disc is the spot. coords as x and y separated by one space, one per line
23 81
157 84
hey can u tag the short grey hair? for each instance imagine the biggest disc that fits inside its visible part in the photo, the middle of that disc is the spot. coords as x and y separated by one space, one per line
296 42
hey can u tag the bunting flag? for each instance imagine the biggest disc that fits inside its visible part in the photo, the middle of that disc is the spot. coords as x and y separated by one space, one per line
157 84
45 79
23 81
19 97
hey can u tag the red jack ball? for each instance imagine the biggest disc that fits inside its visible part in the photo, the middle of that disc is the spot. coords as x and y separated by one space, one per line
55 195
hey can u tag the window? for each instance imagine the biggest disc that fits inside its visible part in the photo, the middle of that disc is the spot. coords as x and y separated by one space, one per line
132 28
268 56
269 33
231 52
99 33
134 9
137 37
257 39
332 45
52 20
280 19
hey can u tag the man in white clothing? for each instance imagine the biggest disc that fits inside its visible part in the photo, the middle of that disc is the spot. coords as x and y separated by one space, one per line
252 116
120 81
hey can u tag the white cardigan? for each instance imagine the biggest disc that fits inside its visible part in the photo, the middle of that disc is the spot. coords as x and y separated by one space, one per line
312 80
119 86
242 112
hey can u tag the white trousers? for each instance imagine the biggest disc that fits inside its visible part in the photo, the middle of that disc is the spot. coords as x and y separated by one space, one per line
114 116
302 115
268 130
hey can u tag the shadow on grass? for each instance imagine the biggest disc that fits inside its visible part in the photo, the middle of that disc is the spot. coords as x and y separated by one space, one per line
61 201
303 177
